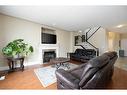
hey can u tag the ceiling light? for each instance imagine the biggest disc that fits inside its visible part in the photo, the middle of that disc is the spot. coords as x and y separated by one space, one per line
119 26
80 31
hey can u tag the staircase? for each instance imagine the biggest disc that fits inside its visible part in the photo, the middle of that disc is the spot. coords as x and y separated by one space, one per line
89 34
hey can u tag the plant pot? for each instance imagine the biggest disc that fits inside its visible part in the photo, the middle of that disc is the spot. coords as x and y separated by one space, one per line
16 56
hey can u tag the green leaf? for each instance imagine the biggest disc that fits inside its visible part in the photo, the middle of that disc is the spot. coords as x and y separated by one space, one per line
31 49
17 46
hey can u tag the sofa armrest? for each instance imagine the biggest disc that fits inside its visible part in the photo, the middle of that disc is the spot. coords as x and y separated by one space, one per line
71 54
67 78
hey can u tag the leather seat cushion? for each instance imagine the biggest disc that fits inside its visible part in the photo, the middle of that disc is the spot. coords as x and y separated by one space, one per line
85 57
77 73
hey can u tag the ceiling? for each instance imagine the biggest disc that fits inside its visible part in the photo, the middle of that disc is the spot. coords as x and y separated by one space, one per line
72 18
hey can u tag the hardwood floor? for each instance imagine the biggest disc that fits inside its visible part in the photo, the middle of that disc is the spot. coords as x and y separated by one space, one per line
24 80
119 79
28 80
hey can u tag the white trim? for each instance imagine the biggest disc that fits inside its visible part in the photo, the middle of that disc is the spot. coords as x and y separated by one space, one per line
4 68
48 47
32 63
25 64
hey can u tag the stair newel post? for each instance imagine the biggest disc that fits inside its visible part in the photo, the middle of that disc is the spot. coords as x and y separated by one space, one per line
86 36
97 52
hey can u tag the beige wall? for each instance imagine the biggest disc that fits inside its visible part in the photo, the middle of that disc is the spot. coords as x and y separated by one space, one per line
63 42
12 28
123 36
124 43
113 41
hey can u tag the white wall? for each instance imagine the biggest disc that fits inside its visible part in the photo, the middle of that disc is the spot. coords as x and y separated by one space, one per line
99 39
13 28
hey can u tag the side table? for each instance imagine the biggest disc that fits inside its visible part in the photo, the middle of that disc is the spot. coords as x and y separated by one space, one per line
13 61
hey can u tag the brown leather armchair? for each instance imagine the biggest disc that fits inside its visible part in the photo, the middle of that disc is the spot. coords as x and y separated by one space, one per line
94 74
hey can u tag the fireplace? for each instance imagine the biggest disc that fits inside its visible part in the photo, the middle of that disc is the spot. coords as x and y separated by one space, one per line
47 55
47 48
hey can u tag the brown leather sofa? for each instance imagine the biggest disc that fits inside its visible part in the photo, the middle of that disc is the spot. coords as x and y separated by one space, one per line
83 55
95 74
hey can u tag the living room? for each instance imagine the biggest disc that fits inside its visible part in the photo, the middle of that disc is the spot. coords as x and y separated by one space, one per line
17 22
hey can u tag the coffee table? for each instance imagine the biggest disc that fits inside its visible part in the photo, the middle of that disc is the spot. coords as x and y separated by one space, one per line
60 61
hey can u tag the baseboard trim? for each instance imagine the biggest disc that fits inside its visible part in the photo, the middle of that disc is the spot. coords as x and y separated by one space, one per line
25 64
4 68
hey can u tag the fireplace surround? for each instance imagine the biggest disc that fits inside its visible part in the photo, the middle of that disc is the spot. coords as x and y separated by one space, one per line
46 48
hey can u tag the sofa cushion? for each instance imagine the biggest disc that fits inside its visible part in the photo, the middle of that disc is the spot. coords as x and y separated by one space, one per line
77 73
91 52
84 57
92 67
80 52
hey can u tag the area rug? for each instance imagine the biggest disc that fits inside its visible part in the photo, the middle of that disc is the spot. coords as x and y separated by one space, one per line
47 76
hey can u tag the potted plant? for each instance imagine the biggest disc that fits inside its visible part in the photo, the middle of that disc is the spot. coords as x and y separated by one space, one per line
17 48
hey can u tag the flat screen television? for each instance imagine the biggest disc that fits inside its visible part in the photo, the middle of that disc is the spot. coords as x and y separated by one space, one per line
48 38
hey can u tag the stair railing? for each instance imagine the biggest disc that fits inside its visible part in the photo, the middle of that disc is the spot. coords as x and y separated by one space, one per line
87 38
